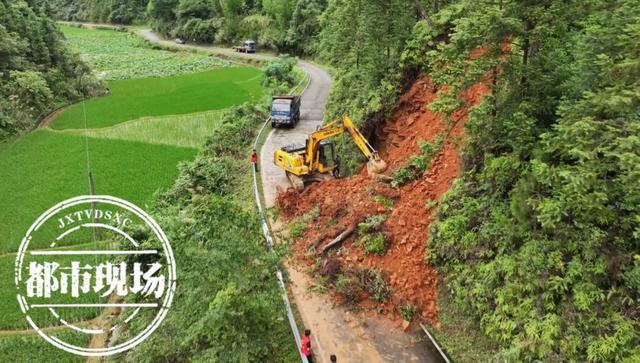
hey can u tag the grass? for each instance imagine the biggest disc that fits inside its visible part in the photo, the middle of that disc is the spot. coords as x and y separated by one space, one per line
120 55
32 348
45 167
461 337
373 243
190 130
298 227
136 98
387 203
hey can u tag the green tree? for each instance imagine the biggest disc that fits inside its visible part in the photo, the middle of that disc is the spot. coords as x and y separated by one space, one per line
303 32
200 9
37 71
162 15
363 40
218 314
537 236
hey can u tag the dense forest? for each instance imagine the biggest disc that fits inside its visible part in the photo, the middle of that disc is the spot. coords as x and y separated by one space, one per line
37 71
116 12
285 25
539 239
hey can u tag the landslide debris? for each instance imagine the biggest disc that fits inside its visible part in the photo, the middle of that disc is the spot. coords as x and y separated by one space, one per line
407 210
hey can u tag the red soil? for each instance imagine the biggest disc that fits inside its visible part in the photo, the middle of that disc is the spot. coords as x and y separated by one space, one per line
349 201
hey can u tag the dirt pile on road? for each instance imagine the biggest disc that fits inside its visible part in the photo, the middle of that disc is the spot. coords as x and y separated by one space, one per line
408 210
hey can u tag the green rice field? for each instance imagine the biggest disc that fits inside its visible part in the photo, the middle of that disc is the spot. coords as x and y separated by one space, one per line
135 98
31 347
161 108
45 167
188 130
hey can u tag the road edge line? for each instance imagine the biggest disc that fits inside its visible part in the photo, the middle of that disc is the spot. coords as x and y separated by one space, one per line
266 230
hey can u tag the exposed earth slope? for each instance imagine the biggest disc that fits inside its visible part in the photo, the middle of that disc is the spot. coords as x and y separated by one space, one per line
408 209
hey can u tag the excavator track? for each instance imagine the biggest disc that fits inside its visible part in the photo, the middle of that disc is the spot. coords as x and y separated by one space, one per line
296 182
318 177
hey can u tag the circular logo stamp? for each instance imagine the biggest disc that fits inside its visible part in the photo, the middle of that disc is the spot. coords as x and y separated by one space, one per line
87 268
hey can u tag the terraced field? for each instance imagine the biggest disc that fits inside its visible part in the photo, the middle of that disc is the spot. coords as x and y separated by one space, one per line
157 114
189 93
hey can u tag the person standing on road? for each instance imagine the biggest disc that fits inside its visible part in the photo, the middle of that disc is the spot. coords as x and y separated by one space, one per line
306 346
254 160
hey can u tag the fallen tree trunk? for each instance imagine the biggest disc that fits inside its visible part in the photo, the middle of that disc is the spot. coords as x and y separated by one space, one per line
317 241
341 237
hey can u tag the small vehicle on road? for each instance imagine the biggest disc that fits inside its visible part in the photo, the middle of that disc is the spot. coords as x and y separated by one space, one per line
285 111
179 41
249 46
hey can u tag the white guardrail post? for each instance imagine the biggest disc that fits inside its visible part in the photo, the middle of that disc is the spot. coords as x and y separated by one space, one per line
435 344
269 238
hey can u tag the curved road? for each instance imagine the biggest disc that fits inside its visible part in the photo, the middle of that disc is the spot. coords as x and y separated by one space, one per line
353 337
313 102
312 106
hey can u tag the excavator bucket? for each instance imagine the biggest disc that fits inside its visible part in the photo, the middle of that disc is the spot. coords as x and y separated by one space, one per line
376 166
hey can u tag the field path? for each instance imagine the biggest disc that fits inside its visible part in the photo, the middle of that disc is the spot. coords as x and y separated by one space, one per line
48 329
352 337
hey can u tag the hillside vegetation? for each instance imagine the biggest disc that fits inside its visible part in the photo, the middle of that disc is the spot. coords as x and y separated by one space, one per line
539 240
540 237
115 11
228 306
37 70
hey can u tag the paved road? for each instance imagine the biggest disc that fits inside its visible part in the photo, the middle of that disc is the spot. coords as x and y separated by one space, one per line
314 100
352 337
312 106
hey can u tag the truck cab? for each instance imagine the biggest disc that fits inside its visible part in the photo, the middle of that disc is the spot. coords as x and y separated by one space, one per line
250 46
285 111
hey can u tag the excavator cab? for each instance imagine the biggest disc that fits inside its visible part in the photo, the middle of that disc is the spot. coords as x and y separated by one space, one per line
326 157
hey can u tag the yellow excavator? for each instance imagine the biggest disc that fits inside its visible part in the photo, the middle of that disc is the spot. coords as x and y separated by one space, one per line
317 160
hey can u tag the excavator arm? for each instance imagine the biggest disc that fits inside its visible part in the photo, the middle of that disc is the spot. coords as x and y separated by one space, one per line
375 164
359 139
313 143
